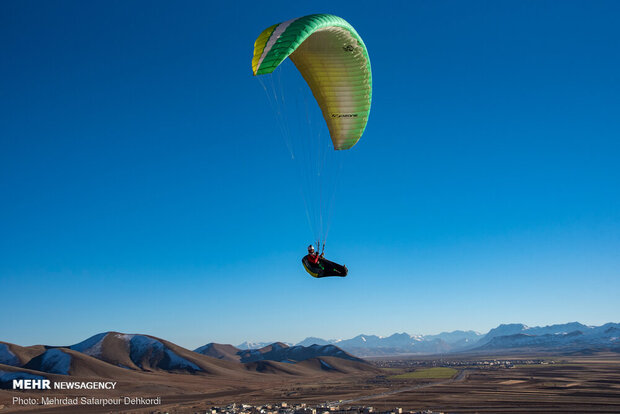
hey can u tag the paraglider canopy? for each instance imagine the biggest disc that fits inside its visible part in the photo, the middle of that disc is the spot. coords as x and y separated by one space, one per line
333 60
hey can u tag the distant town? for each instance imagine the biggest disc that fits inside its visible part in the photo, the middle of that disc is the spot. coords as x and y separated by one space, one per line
461 363
325 408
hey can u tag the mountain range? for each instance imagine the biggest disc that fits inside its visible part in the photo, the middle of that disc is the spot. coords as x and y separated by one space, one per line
130 357
516 336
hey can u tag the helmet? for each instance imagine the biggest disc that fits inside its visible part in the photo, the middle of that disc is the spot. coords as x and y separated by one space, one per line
311 248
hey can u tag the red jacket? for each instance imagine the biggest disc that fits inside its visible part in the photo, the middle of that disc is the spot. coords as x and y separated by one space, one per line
313 258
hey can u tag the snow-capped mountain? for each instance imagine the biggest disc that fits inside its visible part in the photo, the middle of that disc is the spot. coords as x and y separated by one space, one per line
311 340
455 337
505 336
401 343
568 336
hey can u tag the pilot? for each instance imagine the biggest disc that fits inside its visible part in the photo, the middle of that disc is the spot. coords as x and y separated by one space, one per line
313 257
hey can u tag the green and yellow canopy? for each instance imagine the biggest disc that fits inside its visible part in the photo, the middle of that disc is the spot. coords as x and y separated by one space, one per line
333 60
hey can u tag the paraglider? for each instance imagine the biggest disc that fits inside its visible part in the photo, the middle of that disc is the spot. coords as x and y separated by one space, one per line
317 266
333 60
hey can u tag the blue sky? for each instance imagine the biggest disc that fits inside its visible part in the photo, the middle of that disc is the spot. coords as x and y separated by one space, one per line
145 188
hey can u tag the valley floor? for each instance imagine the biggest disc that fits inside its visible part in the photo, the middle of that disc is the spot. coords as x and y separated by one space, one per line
556 385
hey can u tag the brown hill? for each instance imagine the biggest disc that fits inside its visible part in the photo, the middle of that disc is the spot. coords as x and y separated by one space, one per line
283 353
148 353
313 367
15 355
272 367
339 365
220 351
66 362
9 372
